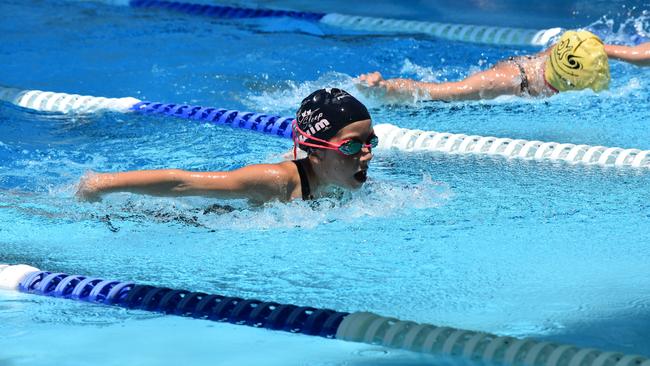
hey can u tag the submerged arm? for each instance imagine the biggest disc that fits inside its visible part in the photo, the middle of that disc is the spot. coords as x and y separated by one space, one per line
256 182
638 55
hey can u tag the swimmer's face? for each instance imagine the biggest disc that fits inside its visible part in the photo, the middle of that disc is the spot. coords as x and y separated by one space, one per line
348 171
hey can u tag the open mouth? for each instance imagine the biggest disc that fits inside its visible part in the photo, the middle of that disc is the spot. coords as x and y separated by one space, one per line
361 176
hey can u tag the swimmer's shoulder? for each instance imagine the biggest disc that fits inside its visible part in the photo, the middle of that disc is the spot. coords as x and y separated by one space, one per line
277 180
283 170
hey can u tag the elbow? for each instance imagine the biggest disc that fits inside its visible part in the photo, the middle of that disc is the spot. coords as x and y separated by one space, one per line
178 181
175 181
176 176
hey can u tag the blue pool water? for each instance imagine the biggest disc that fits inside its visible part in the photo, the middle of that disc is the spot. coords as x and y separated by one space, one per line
546 250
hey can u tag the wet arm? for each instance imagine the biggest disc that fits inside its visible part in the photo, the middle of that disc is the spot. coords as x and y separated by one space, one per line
638 55
400 89
488 84
256 182
404 89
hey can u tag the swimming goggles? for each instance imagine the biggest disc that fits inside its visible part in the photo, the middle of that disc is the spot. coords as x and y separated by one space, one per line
347 147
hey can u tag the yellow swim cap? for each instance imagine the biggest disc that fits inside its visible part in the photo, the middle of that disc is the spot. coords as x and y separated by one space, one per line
578 61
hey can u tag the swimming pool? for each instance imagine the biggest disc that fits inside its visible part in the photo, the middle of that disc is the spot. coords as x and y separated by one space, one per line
548 250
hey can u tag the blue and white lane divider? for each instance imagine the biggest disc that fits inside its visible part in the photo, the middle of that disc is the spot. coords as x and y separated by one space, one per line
393 137
390 136
362 327
73 103
65 103
454 32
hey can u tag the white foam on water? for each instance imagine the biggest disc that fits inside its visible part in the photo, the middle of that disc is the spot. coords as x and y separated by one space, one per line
621 32
421 73
376 199
285 99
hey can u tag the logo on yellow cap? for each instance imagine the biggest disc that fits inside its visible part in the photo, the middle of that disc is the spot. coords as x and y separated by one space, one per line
578 61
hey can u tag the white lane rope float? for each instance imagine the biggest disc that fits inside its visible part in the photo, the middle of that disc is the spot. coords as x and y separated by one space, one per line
390 136
393 137
64 103
453 32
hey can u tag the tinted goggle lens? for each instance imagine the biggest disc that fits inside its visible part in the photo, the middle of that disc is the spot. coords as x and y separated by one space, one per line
353 147
374 141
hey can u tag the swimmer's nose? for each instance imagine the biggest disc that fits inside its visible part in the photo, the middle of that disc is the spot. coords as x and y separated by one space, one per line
366 154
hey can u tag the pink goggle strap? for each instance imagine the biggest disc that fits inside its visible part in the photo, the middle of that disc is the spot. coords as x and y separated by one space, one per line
328 145
296 140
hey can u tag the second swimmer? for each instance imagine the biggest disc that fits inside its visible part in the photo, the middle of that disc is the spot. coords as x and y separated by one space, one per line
579 60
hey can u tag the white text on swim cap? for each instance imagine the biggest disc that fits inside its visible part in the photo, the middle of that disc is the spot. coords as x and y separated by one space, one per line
309 117
319 126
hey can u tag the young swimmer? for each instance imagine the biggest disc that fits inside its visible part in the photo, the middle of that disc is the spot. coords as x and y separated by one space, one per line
332 126
579 60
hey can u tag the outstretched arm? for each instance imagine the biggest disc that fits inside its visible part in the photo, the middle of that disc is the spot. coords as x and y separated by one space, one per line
256 182
397 90
638 55
502 79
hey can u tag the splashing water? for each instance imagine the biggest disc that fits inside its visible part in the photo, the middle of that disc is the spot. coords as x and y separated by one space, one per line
289 94
422 73
632 29
377 199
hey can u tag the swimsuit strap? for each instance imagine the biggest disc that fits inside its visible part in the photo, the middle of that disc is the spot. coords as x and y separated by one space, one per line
304 182
525 87
524 78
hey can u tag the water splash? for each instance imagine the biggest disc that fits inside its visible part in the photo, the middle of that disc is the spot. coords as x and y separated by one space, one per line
633 29
422 73
375 199
629 88
289 94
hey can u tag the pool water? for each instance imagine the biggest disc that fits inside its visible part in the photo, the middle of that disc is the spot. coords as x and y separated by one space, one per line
528 249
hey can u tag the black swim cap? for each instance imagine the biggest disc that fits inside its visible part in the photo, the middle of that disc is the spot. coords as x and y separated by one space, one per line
326 111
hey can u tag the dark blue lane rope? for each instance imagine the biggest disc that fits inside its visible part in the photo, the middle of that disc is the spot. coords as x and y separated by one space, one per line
251 312
224 11
363 327
273 125
76 287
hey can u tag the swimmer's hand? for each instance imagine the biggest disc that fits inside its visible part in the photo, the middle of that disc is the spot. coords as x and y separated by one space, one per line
372 80
392 90
89 187
372 85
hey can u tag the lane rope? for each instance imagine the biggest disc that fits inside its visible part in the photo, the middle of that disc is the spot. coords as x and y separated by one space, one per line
506 36
393 137
361 327
269 124
390 136
65 103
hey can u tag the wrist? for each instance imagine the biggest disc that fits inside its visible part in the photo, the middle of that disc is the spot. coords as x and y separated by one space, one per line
101 182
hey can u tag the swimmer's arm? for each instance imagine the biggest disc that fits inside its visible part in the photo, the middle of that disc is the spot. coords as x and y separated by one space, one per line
391 89
408 89
259 183
638 55
472 88
404 89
